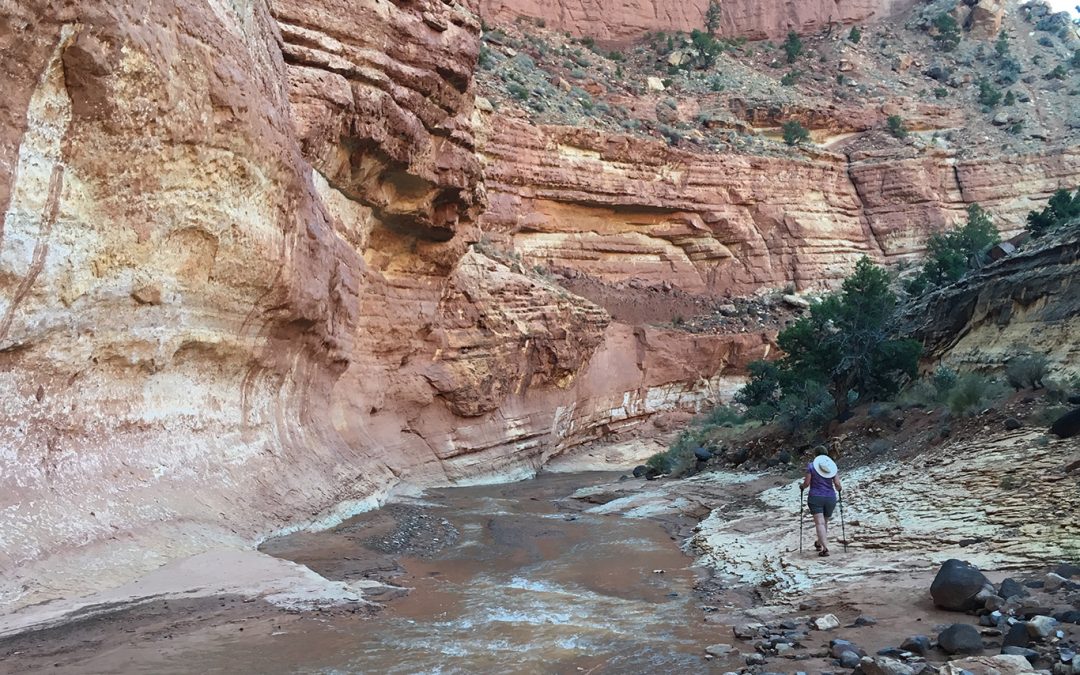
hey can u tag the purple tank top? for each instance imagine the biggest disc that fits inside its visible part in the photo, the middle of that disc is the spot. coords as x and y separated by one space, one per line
819 486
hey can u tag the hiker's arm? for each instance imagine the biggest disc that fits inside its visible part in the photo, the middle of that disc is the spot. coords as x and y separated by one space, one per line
805 482
836 483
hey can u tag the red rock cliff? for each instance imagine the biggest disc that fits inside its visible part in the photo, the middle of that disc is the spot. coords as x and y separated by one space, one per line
618 20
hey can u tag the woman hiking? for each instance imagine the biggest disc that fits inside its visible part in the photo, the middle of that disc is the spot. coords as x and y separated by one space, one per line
824 486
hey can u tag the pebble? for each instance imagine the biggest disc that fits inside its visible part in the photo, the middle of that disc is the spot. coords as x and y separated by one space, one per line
827 622
917 644
1041 627
720 650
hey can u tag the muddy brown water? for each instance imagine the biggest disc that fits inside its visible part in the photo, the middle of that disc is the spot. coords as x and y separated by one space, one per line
522 587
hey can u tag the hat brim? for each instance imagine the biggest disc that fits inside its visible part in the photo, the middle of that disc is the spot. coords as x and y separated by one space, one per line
826 470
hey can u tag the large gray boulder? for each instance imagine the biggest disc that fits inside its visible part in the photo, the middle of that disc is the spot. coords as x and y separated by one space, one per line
960 638
960 586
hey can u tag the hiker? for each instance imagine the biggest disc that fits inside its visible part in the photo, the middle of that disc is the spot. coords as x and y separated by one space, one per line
824 486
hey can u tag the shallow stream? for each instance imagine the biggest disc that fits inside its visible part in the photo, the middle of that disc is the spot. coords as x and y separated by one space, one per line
522 587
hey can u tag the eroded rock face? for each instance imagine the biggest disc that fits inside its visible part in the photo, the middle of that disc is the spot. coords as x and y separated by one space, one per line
237 294
619 207
624 19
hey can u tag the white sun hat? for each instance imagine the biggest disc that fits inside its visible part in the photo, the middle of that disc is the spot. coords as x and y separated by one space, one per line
824 465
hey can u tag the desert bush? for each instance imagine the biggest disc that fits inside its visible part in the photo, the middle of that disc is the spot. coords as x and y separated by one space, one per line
518 91
989 95
855 35
949 255
1009 71
793 46
789 79
972 393
896 126
1027 371
806 408
1010 98
1058 73
712 17
1062 209
947 34
1001 45
795 133
941 92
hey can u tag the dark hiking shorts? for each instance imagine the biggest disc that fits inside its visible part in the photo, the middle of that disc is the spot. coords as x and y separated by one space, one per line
821 505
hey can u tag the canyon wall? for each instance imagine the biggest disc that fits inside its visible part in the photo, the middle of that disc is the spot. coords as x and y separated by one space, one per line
621 20
618 207
237 288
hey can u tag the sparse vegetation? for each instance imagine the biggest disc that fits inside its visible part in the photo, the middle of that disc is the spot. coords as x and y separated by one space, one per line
896 127
973 393
855 35
793 46
1001 45
795 133
518 91
946 32
1063 209
790 78
705 430
1027 371
941 92
949 255
989 95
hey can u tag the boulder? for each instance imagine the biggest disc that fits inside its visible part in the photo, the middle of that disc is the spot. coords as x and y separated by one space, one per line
882 665
960 638
916 644
1067 570
1011 423
654 84
849 659
1071 616
796 301
958 585
640 470
1068 425
755 659
703 454
839 647
749 631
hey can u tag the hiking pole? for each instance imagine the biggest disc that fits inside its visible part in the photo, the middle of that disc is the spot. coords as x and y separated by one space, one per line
800 519
843 529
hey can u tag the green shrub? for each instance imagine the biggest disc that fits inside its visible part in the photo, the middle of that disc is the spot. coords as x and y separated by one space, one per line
486 60
941 92
1074 62
790 78
793 46
896 126
1010 98
616 56
842 346
1062 208
855 35
712 17
949 255
795 133
708 48
1009 71
1027 371
518 91
806 408
947 34
1001 45
972 393
1058 73
989 95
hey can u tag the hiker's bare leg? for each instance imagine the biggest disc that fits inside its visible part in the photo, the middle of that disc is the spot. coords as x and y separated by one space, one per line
822 529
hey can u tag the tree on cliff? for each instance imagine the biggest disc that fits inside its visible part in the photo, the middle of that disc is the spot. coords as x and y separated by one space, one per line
712 17
1061 208
844 346
949 255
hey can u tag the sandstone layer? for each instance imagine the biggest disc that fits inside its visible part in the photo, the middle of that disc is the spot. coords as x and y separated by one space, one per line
237 293
620 20
618 207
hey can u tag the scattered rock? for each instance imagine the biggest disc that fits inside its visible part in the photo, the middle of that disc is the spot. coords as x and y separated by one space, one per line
994 603
1005 664
960 638
1041 627
1011 423
749 631
719 650
827 622
849 659
1052 582
654 84
640 470
839 647
863 620
957 586
796 301
755 659
1071 616
882 665
1067 570
1030 654
484 105
1011 587
992 620
703 454
1017 636
1068 425
916 644
147 294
